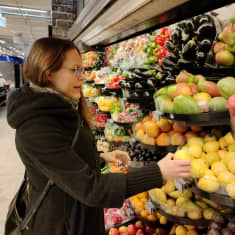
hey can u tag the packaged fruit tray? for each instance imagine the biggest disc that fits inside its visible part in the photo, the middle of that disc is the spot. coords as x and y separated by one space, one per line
202 119
221 199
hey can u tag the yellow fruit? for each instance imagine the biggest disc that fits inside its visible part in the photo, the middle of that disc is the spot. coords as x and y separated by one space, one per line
189 227
143 194
211 157
158 194
180 230
231 166
163 220
229 138
187 193
231 189
144 214
196 140
140 134
218 167
170 202
169 186
208 138
195 150
182 155
194 214
222 143
192 232
151 128
198 168
211 146
208 213
175 194
201 204
181 201
208 183
140 205
228 156
226 177
152 218
143 199
231 148
221 154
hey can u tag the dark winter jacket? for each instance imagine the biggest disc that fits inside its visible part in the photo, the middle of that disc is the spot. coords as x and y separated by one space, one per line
45 126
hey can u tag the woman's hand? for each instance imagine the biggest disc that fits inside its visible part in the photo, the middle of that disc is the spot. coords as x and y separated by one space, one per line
172 169
117 156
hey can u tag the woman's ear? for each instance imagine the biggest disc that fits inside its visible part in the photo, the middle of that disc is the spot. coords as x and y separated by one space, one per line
49 77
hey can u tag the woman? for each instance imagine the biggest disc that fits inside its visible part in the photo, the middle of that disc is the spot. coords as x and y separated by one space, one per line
45 117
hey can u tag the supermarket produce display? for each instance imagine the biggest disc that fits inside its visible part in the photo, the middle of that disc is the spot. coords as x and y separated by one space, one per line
170 90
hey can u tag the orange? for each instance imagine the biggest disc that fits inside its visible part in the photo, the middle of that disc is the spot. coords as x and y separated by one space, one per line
144 214
152 218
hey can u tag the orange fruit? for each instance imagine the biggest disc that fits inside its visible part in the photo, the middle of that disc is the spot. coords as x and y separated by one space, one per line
152 218
144 214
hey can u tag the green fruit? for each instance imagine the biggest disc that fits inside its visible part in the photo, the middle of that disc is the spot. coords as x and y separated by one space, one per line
150 51
232 20
159 101
145 49
217 104
152 59
162 91
224 57
184 104
226 86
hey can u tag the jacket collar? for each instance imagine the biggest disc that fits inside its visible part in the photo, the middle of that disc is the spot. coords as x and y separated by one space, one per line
51 90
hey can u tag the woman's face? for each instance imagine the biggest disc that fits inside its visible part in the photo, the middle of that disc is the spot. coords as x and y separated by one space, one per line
68 79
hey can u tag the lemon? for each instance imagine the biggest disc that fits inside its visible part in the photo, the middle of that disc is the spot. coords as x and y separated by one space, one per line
196 140
231 148
228 156
222 143
208 138
229 138
182 155
198 168
218 167
211 146
231 166
208 183
180 230
195 150
231 190
226 177
211 157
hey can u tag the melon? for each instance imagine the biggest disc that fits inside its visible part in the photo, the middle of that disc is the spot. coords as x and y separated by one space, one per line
184 104
226 86
217 104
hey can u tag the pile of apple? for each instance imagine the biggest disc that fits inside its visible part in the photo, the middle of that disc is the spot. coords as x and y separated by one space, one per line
139 228
182 204
213 162
138 203
163 132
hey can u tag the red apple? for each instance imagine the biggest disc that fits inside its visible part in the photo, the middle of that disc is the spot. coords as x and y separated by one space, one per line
113 231
149 230
131 229
196 128
140 232
139 224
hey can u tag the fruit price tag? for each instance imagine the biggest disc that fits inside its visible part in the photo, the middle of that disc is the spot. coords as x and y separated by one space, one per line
157 115
130 211
150 207
180 184
122 103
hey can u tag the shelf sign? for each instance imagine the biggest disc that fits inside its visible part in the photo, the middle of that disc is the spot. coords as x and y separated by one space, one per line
150 207
3 21
180 184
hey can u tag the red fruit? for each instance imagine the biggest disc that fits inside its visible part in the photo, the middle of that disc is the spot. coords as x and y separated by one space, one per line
113 231
159 40
219 46
194 88
139 224
224 58
196 128
231 104
227 35
179 127
211 88
131 229
140 232
149 230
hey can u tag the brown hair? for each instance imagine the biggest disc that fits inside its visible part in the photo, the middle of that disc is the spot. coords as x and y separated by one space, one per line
46 56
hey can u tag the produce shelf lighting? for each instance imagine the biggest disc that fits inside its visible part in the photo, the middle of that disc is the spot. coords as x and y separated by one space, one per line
23 9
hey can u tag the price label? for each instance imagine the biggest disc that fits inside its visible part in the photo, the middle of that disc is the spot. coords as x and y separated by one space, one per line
130 211
157 115
180 184
122 103
150 207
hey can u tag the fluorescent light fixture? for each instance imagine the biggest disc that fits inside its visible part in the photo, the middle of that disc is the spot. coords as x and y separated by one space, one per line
22 14
23 9
2 42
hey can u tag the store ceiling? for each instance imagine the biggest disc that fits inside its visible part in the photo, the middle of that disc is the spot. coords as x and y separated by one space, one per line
24 26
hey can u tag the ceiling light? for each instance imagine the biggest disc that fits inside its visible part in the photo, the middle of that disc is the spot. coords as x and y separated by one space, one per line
24 9
1 41
22 14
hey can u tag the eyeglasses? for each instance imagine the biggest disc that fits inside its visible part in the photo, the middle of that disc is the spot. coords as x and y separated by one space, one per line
78 71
